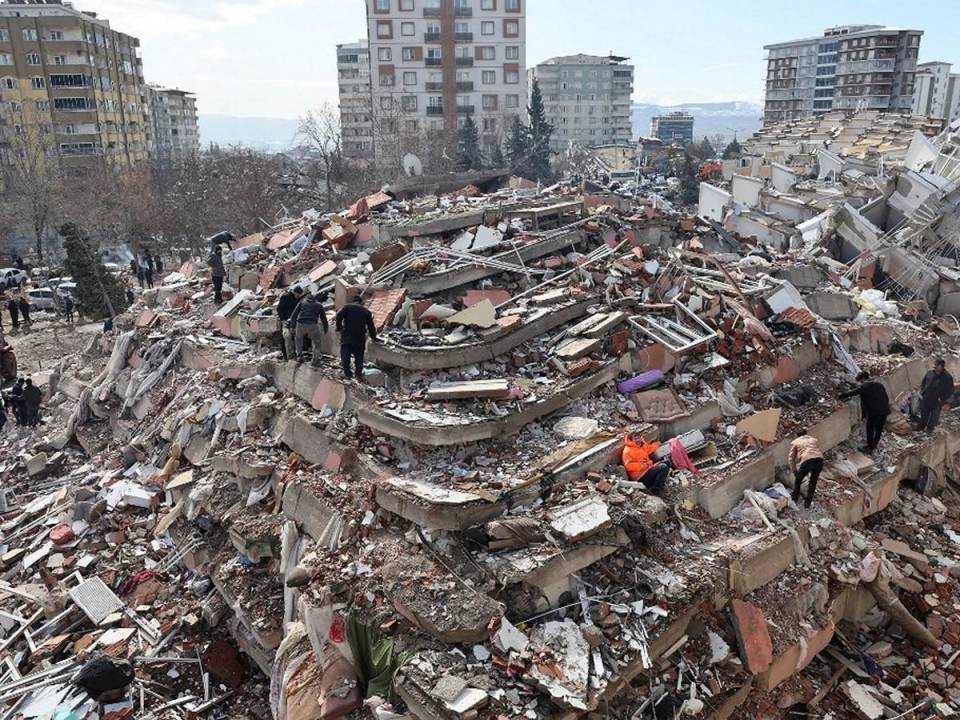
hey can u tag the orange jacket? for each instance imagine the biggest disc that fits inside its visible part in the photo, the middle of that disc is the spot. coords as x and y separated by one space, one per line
637 459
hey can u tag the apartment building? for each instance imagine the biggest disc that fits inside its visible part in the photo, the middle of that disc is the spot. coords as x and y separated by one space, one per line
586 98
434 62
356 117
850 67
675 128
66 76
173 131
936 92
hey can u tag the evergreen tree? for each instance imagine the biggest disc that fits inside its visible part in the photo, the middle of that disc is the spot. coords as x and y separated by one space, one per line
496 156
540 132
707 151
689 182
100 294
469 156
732 151
518 147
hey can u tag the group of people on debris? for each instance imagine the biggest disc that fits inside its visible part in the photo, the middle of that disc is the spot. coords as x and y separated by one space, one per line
806 458
18 307
144 266
23 399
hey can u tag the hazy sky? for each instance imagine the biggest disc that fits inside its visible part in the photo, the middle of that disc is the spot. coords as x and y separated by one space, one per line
276 58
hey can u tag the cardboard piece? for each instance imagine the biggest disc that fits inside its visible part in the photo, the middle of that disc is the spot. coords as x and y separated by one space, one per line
762 425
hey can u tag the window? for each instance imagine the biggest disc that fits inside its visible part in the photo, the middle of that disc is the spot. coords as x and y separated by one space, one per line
386 103
511 28
42 105
409 78
411 126
487 27
490 124
384 54
406 5
489 77
33 59
408 53
488 4
511 5
38 83
463 76
465 4
409 103
433 28
512 101
384 29
489 102
55 35
431 5
435 101
487 53
511 77
512 52
8 83
386 79
69 129
4 35
29 34
463 101
73 103
382 6
6 59
68 81
59 59
433 53
407 29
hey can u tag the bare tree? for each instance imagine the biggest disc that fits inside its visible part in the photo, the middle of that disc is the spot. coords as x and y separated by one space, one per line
319 132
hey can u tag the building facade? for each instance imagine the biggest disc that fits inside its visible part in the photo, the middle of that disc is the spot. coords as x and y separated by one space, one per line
435 62
851 67
356 117
68 79
673 129
587 99
174 133
936 92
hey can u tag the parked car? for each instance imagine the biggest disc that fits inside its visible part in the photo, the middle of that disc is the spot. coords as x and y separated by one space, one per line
41 298
13 277
67 288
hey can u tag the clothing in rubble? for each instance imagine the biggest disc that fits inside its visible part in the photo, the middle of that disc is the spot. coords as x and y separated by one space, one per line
874 405
217 273
307 317
936 389
806 459
797 397
354 323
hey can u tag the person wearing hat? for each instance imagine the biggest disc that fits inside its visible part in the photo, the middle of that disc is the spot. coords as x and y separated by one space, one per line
307 318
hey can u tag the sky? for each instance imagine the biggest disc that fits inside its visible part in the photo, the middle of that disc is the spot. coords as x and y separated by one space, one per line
276 58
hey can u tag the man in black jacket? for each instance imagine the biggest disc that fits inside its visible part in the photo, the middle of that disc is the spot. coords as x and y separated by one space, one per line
354 322
874 405
31 403
936 389
285 307
217 273
306 317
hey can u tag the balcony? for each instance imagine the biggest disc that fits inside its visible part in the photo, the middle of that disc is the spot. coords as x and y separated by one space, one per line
431 12
465 87
463 12
429 37
434 110
464 37
432 62
464 62
465 109
434 87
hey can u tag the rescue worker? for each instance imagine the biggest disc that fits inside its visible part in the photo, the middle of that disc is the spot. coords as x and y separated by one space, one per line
640 464
806 459
24 310
68 308
874 406
307 317
16 400
936 389
31 403
285 306
148 272
354 323
14 311
217 272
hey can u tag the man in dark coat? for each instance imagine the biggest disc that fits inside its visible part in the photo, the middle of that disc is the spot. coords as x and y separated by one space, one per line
31 403
936 389
217 272
307 318
874 406
354 323
285 307
14 310
24 309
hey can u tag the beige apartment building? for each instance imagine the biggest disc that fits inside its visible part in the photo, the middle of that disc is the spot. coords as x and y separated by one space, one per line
434 62
173 135
587 99
356 118
65 75
936 92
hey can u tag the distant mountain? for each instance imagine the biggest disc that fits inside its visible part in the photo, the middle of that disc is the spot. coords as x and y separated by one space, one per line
719 118
260 133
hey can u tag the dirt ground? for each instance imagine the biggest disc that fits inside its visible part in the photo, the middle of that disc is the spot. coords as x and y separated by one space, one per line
47 341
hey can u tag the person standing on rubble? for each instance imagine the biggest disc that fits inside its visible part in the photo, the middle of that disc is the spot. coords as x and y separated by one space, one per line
285 307
31 403
24 310
217 272
16 400
307 318
806 459
68 308
935 390
354 322
874 405
14 311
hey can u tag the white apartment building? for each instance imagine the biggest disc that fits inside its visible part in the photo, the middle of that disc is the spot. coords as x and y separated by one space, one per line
356 118
936 92
587 99
174 133
434 62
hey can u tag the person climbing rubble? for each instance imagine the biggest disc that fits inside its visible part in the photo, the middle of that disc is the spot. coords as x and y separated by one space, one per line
875 406
935 390
638 460
306 318
354 323
217 273
806 459
285 307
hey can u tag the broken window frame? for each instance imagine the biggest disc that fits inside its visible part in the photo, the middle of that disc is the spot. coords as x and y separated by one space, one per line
674 335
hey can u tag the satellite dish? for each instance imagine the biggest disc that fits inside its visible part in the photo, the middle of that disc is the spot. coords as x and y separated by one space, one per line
412 165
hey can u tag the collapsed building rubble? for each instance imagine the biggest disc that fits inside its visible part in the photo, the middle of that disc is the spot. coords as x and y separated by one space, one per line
456 536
